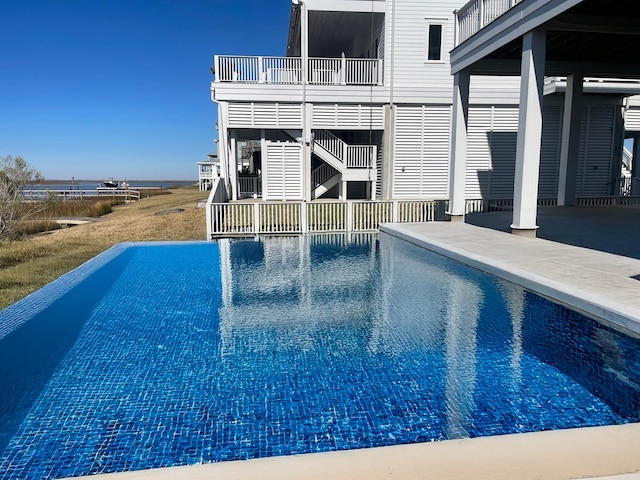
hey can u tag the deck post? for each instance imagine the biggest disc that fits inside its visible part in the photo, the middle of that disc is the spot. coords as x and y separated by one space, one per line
349 217
260 70
256 218
233 166
570 140
525 190
458 160
304 217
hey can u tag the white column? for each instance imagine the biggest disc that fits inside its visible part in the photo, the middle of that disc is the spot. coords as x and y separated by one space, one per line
263 165
570 140
525 190
387 152
458 160
307 112
233 166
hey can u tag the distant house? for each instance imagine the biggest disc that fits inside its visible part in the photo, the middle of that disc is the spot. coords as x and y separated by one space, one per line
207 171
361 108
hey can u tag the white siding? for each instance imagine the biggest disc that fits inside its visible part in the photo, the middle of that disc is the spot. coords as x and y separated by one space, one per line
416 80
352 117
265 115
478 152
596 151
632 120
421 151
550 151
284 171
491 151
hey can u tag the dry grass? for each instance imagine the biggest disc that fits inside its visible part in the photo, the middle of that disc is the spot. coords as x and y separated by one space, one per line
27 265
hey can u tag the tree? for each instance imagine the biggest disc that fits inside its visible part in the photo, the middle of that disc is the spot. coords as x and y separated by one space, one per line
15 174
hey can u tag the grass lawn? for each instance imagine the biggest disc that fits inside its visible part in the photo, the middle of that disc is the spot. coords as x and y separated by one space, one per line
27 265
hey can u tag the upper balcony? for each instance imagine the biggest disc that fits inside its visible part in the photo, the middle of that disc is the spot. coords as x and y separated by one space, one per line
477 14
288 70
595 38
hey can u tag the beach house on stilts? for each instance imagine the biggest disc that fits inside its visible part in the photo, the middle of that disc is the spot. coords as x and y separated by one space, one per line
352 126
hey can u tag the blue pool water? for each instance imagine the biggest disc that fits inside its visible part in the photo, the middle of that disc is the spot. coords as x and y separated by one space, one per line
156 355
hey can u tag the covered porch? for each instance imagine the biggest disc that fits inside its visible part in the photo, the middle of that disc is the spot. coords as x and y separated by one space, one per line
572 39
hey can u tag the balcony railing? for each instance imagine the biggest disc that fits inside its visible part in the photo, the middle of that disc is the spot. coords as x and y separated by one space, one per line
288 70
477 14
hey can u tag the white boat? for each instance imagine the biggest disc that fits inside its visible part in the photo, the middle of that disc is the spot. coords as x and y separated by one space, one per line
110 183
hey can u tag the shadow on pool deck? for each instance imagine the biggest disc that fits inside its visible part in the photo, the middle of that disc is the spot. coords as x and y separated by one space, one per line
608 229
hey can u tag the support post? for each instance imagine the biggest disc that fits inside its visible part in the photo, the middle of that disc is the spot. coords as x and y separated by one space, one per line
387 152
570 140
307 112
263 165
233 166
458 160
525 191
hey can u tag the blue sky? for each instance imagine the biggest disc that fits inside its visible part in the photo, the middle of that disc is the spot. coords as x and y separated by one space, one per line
121 88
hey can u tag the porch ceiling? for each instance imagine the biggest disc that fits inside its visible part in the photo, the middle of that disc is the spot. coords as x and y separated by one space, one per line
595 37
332 33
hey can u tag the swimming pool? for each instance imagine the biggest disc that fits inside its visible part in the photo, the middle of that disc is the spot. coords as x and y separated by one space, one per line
155 355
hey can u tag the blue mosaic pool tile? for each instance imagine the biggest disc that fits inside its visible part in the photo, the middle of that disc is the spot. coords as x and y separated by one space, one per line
301 346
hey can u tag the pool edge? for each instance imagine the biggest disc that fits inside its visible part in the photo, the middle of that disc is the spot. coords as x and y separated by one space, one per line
574 296
561 454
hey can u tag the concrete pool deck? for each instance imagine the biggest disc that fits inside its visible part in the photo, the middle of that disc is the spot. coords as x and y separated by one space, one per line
595 282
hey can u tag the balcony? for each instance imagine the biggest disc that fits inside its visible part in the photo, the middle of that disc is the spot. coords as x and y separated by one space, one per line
477 14
288 70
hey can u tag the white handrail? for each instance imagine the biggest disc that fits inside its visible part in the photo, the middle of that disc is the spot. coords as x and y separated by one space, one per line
321 174
477 14
331 143
288 70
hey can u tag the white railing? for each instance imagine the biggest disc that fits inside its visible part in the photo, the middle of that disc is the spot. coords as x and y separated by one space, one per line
279 217
367 216
218 195
331 143
355 156
247 219
112 193
360 156
327 217
477 14
242 219
321 174
249 185
288 70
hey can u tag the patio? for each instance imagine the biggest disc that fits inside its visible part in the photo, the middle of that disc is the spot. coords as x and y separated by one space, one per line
608 229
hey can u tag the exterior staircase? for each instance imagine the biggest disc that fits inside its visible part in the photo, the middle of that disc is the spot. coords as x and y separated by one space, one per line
342 162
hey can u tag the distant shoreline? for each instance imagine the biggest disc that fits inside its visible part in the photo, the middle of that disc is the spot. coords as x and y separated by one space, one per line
100 181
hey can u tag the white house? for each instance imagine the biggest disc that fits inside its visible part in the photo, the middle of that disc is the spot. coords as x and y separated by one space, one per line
535 39
207 171
361 108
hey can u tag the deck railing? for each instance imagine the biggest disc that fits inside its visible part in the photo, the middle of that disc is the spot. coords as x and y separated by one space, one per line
247 219
360 156
72 194
321 174
242 219
249 185
354 156
288 70
477 14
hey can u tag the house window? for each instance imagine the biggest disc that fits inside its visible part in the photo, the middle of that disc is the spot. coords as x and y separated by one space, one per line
435 34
